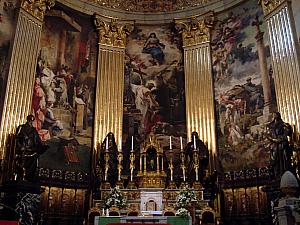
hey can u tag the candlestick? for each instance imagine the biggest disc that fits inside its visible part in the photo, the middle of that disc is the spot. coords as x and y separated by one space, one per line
194 142
131 142
170 142
106 144
181 145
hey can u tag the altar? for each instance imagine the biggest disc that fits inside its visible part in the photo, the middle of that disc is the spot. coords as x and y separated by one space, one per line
150 193
172 220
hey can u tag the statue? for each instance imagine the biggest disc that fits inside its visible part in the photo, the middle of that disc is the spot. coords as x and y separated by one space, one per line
28 148
196 162
279 133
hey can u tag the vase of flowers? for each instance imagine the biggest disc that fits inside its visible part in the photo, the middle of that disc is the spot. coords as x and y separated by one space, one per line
182 212
115 198
185 198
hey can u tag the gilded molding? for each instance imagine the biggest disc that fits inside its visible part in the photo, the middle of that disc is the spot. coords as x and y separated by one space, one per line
269 5
37 8
113 32
195 30
150 5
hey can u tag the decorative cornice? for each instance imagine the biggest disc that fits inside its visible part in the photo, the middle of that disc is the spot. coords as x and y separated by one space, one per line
150 5
195 30
37 8
112 31
269 5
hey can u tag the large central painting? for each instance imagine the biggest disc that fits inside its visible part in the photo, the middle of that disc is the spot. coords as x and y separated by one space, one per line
154 85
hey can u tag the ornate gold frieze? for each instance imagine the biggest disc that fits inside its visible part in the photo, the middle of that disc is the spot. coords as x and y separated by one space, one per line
195 30
112 32
37 8
150 5
269 5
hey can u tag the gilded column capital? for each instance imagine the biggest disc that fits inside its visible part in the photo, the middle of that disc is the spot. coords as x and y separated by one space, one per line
269 6
112 31
195 30
37 8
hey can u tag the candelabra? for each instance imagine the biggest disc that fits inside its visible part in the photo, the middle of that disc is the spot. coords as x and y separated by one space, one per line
182 166
132 167
196 163
171 166
120 167
106 184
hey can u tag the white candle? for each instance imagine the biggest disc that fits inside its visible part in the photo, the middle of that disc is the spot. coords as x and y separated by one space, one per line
131 142
170 142
194 142
181 145
106 144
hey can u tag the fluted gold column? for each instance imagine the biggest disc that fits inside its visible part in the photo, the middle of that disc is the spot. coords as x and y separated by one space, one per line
20 81
110 78
285 57
198 77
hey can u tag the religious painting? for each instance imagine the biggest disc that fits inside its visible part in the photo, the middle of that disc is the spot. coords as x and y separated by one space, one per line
63 97
296 12
154 98
243 102
7 26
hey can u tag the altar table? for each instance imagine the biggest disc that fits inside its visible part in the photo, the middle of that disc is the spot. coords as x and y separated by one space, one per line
155 220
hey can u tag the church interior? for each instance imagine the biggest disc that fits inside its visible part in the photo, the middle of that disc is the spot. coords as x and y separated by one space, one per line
178 112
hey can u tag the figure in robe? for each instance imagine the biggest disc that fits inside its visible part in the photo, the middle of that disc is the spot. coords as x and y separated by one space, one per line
28 148
279 133
153 47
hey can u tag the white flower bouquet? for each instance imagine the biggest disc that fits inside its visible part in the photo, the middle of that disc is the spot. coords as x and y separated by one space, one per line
115 198
185 197
182 212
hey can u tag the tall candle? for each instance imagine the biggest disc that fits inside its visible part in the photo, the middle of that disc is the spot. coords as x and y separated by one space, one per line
194 142
106 144
181 145
170 142
131 142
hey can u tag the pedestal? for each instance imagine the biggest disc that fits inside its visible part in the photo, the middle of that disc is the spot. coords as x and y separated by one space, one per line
131 185
120 184
197 185
105 185
172 185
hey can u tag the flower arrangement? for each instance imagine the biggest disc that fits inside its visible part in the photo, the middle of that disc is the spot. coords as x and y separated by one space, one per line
185 197
182 212
115 198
